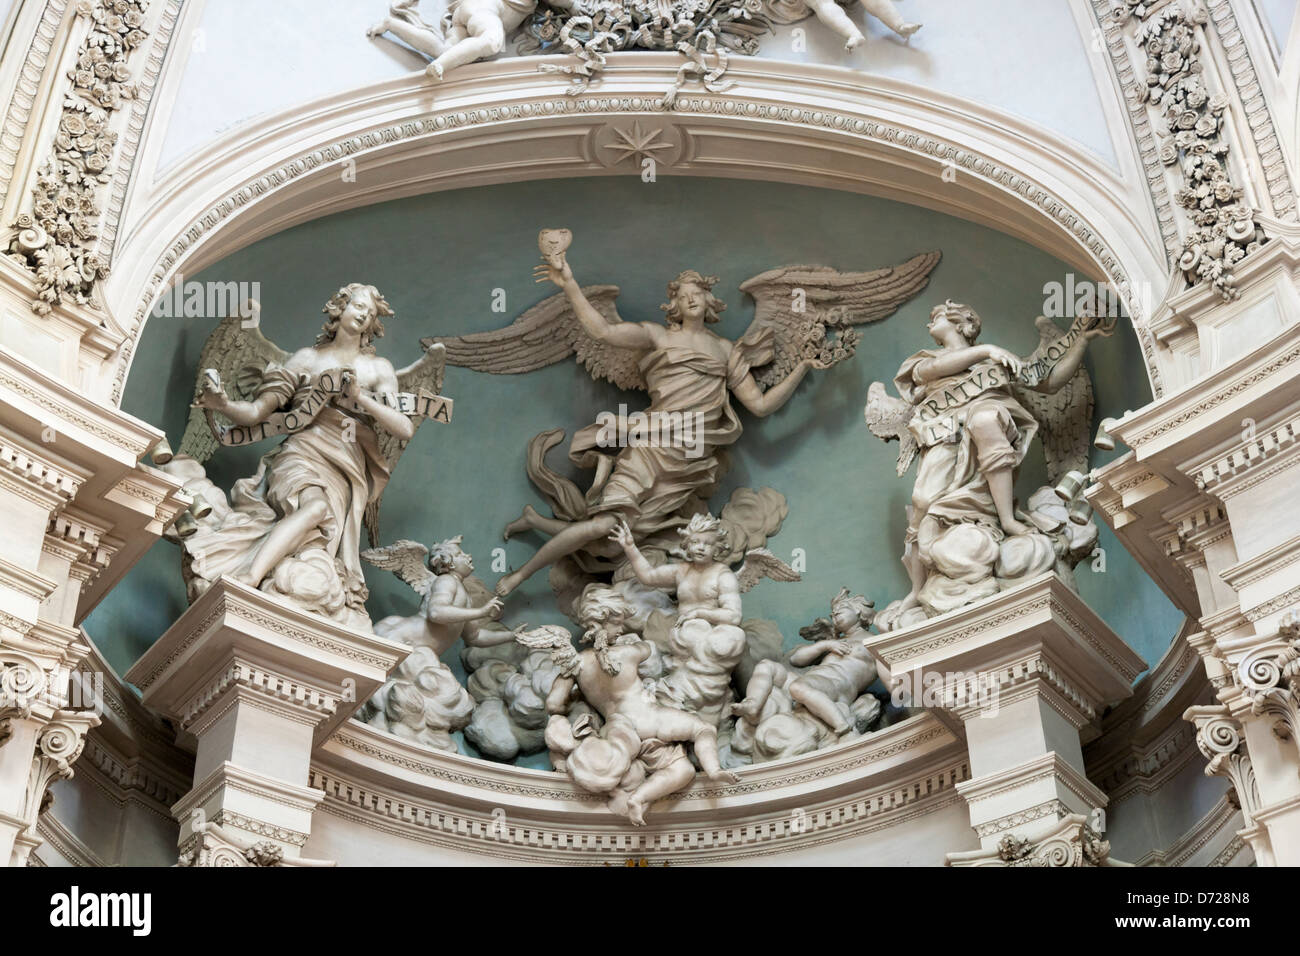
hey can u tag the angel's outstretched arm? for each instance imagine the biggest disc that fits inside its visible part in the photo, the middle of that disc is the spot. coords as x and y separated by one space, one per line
763 403
664 576
1069 363
442 609
476 636
628 335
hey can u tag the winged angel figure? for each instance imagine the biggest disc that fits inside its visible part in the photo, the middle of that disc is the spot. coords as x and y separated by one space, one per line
656 468
970 413
294 527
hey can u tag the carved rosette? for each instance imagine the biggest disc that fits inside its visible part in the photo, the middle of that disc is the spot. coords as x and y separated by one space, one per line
1223 230
59 239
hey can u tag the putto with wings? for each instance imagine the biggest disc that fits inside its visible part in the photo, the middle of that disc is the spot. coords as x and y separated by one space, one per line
970 412
294 527
656 475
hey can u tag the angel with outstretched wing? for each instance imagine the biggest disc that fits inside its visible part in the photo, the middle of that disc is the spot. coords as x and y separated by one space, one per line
963 414
653 466
336 403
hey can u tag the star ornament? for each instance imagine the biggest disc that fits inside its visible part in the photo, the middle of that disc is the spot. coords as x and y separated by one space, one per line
636 143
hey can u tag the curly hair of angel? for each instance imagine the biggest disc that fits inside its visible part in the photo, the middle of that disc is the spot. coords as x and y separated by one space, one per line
712 304
339 301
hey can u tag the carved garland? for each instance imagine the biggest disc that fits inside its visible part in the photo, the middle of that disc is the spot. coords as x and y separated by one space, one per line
1224 229
59 240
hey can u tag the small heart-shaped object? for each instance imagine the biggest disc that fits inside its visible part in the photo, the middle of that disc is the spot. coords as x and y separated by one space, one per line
553 242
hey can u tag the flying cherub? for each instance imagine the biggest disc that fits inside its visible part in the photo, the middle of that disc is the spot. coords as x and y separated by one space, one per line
470 30
804 319
638 755
448 612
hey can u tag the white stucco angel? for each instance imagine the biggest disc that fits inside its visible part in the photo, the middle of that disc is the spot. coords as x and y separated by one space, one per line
638 755
470 29
706 641
963 412
294 528
422 699
653 468
835 668
833 15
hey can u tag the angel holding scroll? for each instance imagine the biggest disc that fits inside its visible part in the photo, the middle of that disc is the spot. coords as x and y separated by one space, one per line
964 413
803 321
294 527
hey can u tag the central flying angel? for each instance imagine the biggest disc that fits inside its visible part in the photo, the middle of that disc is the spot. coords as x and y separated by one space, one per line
691 374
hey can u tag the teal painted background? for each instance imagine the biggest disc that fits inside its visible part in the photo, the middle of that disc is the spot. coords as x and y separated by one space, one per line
438 259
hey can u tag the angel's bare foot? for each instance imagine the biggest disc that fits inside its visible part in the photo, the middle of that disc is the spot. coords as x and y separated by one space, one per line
380 28
724 776
507 584
907 29
1013 527
520 524
434 70
636 812
743 708
853 42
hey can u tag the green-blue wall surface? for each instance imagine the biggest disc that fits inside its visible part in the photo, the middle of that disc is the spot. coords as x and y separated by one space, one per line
439 258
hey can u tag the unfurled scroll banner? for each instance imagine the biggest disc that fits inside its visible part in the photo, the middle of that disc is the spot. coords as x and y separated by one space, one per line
327 389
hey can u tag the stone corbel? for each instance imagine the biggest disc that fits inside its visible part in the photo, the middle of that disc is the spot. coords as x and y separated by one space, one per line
1027 673
1064 842
58 743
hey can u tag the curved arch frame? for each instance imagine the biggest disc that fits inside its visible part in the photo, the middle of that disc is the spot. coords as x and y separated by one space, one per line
502 121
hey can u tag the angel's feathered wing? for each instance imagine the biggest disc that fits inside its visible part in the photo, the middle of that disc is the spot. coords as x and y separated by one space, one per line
1064 417
553 639
239 355
406 559
794 301
819 630
548 333
761 563
888 417
427 372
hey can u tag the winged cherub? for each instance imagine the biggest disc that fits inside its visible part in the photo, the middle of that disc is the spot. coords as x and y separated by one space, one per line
832 14
963 413
638 755
447 612
692 375
707 641
295 526
471 29
839 669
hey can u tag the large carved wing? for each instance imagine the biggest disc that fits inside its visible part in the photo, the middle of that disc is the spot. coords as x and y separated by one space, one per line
888 417
811 309
761 563
239 355
406 559
426 372
1064 417
548 333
